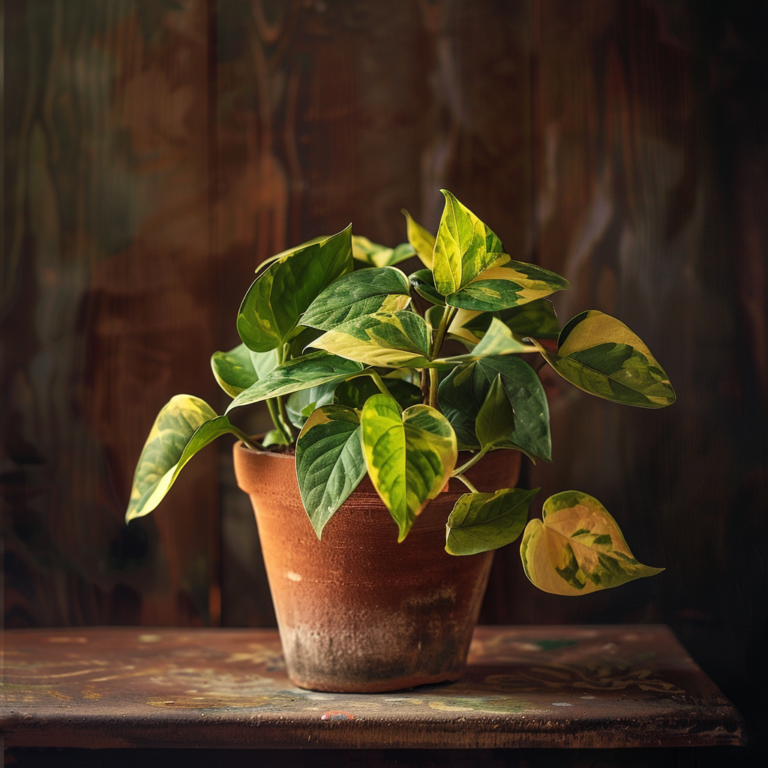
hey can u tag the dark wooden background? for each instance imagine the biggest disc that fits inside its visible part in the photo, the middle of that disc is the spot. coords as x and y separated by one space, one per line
156 151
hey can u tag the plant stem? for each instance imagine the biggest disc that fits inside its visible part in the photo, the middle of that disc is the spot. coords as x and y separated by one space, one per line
276 420
467 483
442 329
288 427
471 463
243 437
378 382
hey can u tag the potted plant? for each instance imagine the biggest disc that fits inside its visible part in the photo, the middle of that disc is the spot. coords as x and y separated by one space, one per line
388 479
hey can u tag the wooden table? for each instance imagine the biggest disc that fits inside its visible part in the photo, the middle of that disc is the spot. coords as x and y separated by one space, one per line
526 687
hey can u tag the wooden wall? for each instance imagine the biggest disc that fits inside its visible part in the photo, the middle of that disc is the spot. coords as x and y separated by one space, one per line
156 151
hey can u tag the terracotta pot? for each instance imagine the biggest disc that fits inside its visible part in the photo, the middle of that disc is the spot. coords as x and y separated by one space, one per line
358 612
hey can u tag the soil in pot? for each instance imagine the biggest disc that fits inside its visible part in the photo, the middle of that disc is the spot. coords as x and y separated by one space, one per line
358 612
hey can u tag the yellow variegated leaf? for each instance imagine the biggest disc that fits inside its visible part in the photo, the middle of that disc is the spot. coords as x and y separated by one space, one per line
421 239
600 355
185 425
371 254
464 247
409 454
578 548
387 339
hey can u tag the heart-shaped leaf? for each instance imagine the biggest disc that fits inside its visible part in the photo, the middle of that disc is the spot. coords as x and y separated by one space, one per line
355 392
423 282
276 300
505 284
310 370
387 339
358 293
410 456
600 355
370 254
480 522
421 239
462 393
185 425
329 462
240 368
578 548
497 340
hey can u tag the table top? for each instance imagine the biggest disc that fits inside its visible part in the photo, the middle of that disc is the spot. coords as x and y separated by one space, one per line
585 687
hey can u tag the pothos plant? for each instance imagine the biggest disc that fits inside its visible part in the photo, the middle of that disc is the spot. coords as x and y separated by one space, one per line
347 352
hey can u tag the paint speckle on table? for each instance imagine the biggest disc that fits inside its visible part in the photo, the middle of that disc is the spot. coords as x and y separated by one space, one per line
561 704
336 715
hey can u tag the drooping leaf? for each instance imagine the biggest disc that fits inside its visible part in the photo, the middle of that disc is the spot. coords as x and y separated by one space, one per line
497 340
506 284
371 254
464 247
480 522
278 297
600 355
355 392
495 420
329 462
578 548
240 368
422 281
311 370
301 404
536 320
358 293
462 393
185 425
387 339
410 456
421 239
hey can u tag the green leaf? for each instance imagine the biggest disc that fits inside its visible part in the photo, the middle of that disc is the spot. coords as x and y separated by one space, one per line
356 294
329 462
275 437
240 368
462 393
464 247
423 282
536 320
301 404
578 548
422 240
498 340
304 372
185 425
601 356
410 456
507 284
387 339
355 392
495 420
480 522
374 255
277 298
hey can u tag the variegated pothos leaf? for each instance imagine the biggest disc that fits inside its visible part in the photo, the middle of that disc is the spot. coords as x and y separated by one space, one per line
409 454
422 240
370 254
578 548
598 354
329 462
185 425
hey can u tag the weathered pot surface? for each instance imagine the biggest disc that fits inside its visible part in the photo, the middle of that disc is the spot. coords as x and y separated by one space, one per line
358 612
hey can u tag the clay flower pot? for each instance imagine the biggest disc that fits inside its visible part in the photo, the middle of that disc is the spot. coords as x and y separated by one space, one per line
358 612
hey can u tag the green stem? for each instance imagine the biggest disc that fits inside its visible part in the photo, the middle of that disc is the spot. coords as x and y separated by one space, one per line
276 420
283 411
471 463
433 382
467 483
442 329
243 437
378 382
